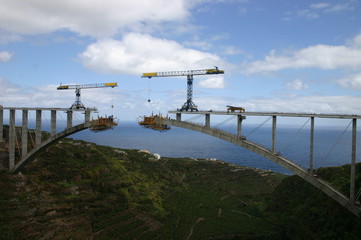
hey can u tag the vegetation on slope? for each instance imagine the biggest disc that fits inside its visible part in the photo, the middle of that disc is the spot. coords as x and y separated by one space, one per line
303 212
78 190
81 191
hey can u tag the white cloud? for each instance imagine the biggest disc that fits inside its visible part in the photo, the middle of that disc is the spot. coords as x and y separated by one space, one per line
318 56
353 82
138 53
310 104
307 13
212 82
319 5
297 85
88 17
232 50
6 37
316 10
5 56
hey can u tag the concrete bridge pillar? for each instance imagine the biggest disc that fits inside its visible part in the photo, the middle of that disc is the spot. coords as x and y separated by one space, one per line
12 139
38 128
24 133
207 120
1 124
178 117
53 122
87 116
69 121
353 161
312 135
274 124
239 125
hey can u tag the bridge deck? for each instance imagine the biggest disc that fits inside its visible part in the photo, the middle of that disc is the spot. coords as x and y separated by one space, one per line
281 114
48 109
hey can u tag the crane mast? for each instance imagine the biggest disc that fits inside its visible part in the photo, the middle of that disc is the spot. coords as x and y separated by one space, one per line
188 105
78 104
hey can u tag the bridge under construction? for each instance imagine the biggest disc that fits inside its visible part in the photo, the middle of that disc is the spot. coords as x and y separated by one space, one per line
350 202
17 161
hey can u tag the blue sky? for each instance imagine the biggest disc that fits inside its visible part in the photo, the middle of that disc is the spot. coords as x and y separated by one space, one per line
287 56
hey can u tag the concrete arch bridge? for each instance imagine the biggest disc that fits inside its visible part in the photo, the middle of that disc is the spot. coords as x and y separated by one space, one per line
350 202
35 138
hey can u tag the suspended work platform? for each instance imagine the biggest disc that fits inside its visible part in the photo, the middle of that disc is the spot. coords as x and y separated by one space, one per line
103 123
154 122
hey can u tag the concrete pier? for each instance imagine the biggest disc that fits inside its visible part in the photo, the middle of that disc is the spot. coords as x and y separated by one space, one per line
239 125
208 120
69 119
87 117
353 161
1 124
38 128
24 134
12 138
312 137
274 135
53 122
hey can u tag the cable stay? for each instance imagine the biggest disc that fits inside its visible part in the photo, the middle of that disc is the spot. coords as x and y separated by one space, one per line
333 146
219 125
291 138
258 127
195 119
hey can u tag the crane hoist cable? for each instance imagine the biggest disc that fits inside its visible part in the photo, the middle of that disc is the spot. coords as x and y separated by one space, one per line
78 104
188 105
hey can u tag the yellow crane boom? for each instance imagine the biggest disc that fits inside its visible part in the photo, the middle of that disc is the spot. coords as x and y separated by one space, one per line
78 104
189 105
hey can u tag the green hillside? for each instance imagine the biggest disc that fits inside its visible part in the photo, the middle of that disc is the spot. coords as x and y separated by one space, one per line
78 190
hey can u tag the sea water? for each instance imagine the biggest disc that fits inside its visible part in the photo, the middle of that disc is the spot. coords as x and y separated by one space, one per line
332 147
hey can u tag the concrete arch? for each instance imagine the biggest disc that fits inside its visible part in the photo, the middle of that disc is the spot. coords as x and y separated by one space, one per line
284 162
53 139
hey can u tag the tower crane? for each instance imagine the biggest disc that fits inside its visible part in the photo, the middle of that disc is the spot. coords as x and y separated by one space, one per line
189 105
77 104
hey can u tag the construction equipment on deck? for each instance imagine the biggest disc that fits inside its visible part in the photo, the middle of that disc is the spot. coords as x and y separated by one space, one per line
189 105
233 108
78 104
154 122
103 123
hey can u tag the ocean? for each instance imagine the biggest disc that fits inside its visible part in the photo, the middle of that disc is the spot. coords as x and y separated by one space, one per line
332 145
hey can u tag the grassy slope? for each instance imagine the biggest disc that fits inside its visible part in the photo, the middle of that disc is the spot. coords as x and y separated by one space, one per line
82 191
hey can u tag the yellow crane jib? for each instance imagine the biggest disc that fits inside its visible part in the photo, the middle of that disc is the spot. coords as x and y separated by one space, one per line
92 85
189 105
183 73
77 104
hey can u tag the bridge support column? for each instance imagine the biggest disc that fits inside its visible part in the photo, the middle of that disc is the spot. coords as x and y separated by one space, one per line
69 121
353 161
24 133
87 116
38 128
53 122
12 139
179 117
312 134
239 125
274 124
1 124
207 120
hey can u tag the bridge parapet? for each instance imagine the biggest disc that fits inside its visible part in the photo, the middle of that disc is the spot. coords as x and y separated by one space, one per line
39 142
